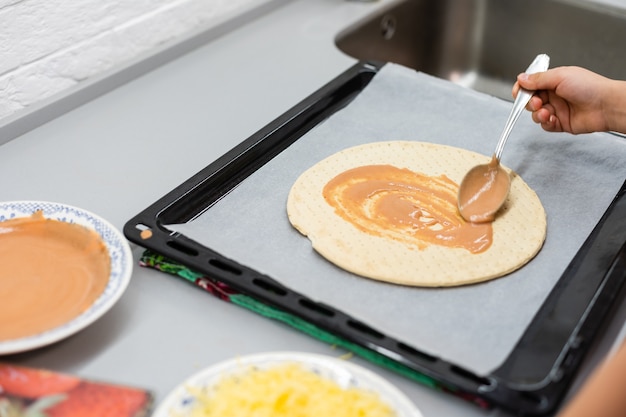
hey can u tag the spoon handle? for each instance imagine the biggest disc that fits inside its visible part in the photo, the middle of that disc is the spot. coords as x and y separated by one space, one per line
541 63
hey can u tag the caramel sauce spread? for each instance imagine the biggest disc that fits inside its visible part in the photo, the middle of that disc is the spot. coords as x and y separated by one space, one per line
50 273
399 204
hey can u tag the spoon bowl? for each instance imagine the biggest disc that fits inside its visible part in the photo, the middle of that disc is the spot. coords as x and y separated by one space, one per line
485 187
483 191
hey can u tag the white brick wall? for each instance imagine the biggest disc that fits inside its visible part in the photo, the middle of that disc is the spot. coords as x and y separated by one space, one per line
49 46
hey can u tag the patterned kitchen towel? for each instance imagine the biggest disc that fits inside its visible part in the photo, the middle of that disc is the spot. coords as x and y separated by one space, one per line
224 292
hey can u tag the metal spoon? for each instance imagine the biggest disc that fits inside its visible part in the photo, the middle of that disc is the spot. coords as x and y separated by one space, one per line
485 187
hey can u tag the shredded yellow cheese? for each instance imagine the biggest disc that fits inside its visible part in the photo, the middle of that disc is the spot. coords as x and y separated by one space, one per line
285 390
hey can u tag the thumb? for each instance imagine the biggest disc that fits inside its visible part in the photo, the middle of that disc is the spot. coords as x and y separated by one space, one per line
547 80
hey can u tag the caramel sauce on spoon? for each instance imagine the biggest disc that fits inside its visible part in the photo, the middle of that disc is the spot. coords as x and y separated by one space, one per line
483 191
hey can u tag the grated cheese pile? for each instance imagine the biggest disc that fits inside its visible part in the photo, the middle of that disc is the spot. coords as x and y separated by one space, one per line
285 390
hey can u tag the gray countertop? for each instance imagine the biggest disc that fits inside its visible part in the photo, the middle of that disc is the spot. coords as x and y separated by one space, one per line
120 152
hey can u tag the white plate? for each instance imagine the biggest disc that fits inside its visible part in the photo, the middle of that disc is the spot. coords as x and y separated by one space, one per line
121 268
180 402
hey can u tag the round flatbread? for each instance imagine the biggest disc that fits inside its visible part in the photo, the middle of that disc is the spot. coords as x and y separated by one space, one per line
518 231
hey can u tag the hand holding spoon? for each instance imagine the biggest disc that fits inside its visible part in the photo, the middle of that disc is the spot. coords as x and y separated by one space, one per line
485 187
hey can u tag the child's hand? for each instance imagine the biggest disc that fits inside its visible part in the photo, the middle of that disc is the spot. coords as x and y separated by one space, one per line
575 100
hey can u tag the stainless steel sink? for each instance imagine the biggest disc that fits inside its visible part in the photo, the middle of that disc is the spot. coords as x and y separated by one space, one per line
484 44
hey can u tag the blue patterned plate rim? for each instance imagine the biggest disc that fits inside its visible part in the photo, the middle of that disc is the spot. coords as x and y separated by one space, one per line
121 268
180 402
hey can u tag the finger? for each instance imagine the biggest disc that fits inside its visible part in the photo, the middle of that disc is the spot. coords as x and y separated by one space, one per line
549 111
540 116
534 104
552 124
543 95
522 80
560 108
515 89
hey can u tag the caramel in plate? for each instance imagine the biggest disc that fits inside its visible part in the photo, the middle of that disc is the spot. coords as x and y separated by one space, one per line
51 272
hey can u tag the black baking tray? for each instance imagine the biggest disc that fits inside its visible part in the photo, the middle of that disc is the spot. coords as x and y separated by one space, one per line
536 375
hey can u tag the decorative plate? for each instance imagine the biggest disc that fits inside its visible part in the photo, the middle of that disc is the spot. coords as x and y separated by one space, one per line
121 268
180 401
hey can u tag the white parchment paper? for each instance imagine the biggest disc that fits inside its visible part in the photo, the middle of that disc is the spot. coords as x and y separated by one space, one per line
476 326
